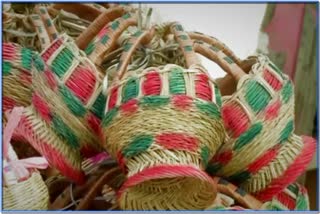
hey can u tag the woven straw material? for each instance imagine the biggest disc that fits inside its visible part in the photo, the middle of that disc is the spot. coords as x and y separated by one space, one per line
259 119
294 197
16 77
173 126
105 40
31 194
76 89
57 151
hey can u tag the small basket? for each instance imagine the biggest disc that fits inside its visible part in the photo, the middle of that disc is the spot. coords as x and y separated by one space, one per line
261 153
16 76
24 189
163 125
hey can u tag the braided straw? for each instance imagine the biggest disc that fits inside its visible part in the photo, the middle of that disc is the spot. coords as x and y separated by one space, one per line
170 126
263 102
16 62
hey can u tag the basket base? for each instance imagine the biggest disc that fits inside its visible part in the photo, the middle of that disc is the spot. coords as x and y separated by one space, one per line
168 187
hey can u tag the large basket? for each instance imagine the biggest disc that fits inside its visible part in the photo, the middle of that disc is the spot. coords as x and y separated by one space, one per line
23 189
261 153
163 125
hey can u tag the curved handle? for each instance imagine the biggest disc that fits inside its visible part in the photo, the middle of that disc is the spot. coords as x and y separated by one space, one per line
219 57
40 30
105 178
182 37
243 198
104 18
140 37
186 45
216 43
106 40
84 11
46 19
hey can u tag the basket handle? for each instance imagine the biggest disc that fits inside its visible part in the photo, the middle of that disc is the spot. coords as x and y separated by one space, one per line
216 43
104 18
244 199
144 37
219 57
189 48
40 30
46 19
110 33
84 11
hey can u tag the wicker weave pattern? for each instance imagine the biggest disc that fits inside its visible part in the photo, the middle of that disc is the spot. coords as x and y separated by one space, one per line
163 125
107 37
16 75
31 194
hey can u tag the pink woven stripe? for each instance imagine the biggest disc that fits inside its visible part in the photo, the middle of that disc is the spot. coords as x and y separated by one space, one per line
9 51
164 171
55 158
292 173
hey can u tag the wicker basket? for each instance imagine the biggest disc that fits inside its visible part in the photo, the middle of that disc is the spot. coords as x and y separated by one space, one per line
24 189
261 153
163 125
16 76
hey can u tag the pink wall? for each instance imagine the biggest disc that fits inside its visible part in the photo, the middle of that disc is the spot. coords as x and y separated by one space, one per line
284 32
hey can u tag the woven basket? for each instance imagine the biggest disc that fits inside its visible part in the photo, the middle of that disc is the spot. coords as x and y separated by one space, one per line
67 105
163 125
261 152
16 76
24 189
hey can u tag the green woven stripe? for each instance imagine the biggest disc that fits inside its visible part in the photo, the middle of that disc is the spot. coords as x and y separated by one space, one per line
138 145
137 34
64 132
209 108
257 96
179 27
89 49
127 46
302 203
218 95
215 49
228 59
212 169
105 39
126 16
73 103
62 62
177 84
99 105
276 69
6 68
248 136
240 177
26 58
48 22
154 101
287 92
286 132
115 25
293 188
205 152
188 48
183 37
109 116
38 62
130 90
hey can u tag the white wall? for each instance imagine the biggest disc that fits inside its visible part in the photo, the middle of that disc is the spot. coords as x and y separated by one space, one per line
237 25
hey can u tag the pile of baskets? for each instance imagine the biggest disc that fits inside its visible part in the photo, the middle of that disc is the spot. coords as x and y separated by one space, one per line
125 117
